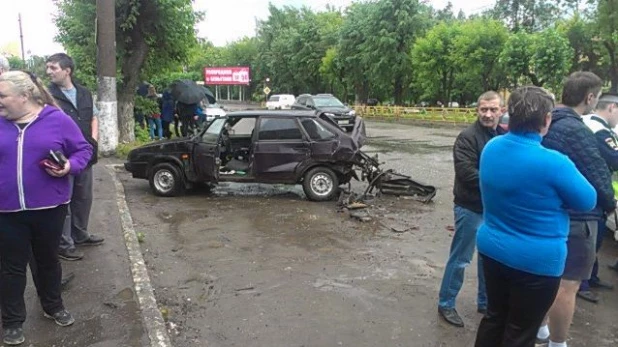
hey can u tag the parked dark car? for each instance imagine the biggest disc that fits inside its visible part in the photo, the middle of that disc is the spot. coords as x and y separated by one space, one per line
289 147
342 115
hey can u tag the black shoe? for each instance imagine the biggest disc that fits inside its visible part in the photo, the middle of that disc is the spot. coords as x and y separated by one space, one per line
62 318
92 240
66 280
588 296
70 255
482 310
601 285
541 342
13 336
451 316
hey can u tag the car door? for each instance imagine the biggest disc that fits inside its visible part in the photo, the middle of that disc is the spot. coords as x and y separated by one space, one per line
279 150
206 152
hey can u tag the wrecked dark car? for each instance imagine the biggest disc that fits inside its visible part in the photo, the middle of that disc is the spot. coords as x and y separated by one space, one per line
286 147
258 146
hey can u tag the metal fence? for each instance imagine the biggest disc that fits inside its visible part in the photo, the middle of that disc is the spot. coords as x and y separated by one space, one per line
423 114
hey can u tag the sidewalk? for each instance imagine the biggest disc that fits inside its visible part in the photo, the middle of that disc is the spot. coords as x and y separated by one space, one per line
101 297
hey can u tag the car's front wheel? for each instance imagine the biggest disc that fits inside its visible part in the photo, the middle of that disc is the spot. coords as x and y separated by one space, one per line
320 184
166 180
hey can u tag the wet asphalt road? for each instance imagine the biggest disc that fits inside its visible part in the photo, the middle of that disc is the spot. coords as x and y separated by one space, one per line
261 266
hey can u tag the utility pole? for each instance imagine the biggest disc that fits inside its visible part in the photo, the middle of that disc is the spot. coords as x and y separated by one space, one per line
21 39
106 76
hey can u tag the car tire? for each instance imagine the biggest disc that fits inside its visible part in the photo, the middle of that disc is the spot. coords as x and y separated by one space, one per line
166 180
320 184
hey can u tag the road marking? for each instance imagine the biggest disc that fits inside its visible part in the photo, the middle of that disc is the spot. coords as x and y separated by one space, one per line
151 316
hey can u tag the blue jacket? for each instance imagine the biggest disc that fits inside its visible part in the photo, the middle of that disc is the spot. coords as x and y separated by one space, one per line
168 106
569 135
525 189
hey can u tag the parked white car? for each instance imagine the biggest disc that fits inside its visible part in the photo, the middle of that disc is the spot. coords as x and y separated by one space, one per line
214 111
280 102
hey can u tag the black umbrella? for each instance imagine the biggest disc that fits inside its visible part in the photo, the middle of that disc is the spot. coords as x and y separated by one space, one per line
210 96
187 91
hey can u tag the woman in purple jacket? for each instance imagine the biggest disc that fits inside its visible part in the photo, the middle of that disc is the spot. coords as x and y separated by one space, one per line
33 196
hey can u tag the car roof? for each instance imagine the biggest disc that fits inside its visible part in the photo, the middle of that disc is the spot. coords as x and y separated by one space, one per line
272 113
321 95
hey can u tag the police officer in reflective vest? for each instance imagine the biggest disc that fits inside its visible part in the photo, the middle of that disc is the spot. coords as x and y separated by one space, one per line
602 123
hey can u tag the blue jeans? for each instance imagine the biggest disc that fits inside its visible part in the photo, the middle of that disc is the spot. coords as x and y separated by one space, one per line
462 249
152 122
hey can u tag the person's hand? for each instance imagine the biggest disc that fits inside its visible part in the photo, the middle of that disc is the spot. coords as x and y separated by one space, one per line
60 173
195 117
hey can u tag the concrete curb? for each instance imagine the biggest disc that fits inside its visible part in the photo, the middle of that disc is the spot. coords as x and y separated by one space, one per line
153 320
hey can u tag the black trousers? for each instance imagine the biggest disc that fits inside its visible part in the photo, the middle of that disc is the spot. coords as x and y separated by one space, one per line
166 129
188 124
21 232
517 303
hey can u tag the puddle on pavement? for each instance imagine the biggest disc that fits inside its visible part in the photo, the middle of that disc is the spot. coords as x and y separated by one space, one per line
125 294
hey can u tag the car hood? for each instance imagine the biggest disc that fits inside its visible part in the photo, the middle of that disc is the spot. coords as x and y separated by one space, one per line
351 143
335 109
168 146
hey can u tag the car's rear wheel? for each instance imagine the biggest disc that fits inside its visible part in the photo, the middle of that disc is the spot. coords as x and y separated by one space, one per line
320 184
166 180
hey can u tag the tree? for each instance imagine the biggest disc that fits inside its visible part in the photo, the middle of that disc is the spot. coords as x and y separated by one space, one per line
16 63
333 72
151 36
395 24
353 47
542 58
589 53
477 53
530 15
607 15
435 62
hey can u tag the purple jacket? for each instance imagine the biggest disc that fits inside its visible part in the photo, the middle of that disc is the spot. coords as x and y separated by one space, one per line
24 183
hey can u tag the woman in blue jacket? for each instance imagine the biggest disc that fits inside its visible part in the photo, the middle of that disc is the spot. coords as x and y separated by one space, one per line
526 190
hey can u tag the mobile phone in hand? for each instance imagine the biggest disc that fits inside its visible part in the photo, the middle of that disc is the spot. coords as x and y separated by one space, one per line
58 158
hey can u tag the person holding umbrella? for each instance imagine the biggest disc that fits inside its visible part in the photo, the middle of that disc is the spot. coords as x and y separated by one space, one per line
188 94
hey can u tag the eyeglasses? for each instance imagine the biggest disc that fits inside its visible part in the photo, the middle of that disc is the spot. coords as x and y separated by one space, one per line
491 109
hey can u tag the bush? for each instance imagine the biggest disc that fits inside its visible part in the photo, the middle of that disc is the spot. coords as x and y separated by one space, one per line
141 138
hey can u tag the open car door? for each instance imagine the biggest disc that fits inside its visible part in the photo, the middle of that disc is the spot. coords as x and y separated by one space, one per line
207 150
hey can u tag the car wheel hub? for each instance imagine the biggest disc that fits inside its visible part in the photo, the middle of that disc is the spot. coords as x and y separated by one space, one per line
321 184
164 181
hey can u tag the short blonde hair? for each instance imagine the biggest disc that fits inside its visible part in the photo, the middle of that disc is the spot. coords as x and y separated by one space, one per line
27 84
489 96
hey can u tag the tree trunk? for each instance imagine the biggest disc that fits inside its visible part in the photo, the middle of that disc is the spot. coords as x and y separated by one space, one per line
535 80
613 66
398 92
131 66
126 121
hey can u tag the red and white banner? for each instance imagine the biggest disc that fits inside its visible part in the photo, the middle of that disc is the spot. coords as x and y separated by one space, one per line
233 75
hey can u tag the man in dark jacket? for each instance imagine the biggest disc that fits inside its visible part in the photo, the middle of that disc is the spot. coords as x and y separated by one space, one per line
602 123
569 135
468 206
76 101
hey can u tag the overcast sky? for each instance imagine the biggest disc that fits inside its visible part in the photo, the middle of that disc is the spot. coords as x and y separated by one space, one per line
225 20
